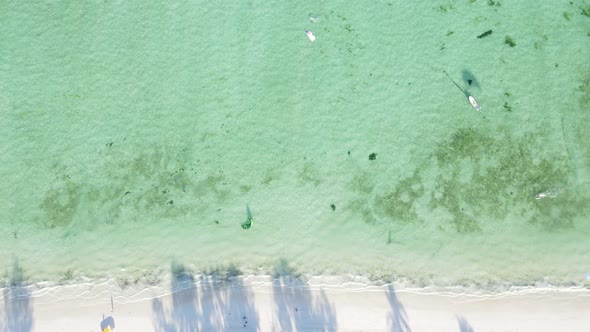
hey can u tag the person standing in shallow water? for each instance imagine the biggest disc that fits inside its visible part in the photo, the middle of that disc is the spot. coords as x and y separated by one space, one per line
248 223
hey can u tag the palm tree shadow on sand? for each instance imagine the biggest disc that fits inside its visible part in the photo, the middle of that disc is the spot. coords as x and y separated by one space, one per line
296 307
17 315
398 319
464 325
217 304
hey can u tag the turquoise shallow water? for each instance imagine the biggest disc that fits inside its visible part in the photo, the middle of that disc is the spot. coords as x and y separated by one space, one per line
135 135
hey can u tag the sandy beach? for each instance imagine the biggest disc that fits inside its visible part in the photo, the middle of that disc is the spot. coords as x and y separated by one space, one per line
284 304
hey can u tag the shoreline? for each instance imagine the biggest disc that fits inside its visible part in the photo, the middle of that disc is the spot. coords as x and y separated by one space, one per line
185 303
349 282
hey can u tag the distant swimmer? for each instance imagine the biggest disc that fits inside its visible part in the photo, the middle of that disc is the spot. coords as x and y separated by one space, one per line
310 35
250 220
248 223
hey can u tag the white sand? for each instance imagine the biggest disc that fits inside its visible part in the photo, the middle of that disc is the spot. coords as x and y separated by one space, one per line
260 304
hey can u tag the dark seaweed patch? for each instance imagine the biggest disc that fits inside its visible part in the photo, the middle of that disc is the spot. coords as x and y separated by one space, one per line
485 34
509 41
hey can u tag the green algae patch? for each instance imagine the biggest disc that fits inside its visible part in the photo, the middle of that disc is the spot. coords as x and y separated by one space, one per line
60 204
399 203
362 185
132 186
475 180
505 174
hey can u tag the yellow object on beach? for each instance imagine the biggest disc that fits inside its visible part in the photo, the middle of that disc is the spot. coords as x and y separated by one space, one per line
107 329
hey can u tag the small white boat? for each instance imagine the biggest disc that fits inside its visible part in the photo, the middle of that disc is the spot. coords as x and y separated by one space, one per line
314 19
310 35
474 104
549 194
